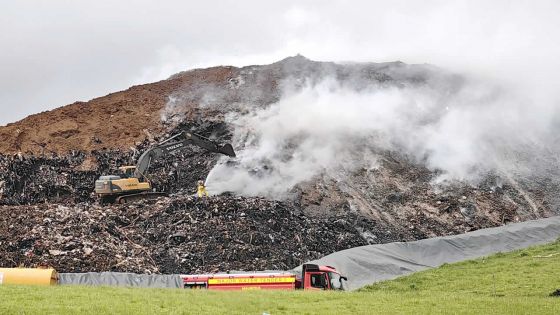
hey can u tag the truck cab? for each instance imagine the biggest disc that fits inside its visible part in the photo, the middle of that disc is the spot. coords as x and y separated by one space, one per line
315 277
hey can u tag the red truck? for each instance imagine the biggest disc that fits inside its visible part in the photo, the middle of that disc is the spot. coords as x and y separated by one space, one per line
313 277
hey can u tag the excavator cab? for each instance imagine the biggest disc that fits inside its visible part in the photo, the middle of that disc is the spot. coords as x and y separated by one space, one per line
127 171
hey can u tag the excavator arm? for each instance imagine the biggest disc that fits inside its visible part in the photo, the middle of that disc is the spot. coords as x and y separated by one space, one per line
178 142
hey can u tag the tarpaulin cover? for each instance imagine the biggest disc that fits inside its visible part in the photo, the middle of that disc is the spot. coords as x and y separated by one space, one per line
368 264
121 279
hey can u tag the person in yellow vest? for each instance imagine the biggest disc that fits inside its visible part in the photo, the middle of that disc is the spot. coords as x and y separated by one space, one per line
201 191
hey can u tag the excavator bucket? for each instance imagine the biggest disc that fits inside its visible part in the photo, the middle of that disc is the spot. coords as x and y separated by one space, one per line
208 144
227 149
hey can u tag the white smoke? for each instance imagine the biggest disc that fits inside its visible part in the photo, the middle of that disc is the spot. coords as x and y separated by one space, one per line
465 132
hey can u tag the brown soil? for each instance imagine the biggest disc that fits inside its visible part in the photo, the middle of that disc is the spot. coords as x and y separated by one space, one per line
117 120
122 119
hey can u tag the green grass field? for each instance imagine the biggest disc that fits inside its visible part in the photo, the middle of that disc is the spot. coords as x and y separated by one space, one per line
519 282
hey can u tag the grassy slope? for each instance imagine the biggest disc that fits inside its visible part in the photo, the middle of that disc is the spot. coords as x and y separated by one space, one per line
513 283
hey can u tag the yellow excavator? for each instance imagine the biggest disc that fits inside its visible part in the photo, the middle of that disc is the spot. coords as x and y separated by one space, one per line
132 182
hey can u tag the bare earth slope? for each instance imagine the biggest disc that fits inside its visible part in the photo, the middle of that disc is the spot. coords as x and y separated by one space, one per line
117 120
121 119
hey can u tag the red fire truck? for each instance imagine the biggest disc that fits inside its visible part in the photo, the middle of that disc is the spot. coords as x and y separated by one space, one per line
313 277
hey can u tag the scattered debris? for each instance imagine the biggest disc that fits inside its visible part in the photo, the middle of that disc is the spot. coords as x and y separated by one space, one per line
546 256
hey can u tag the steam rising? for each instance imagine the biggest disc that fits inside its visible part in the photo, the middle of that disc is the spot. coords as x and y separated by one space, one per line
464 129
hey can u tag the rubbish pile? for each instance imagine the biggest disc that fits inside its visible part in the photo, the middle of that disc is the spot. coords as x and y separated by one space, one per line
69 178
31 179
34 179
50 216
171 235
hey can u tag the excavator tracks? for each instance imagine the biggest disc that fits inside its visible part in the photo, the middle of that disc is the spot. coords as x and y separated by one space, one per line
140 196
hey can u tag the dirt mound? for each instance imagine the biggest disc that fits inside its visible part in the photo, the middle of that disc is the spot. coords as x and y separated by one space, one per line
118 120
122 119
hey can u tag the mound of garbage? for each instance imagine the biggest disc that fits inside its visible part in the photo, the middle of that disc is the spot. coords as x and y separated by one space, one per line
50 217
50 161
181 234
69 178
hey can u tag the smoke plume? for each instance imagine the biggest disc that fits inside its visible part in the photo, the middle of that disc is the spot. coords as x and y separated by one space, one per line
464 128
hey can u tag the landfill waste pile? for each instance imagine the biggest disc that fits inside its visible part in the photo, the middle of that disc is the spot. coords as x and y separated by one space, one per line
58 223
181 234
50 161
32 179
69 178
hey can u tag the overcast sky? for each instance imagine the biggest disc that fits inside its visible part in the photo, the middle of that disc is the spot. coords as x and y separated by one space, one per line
56 52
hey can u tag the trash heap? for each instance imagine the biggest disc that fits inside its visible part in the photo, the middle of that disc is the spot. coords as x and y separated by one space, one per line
70 178
171 235
32 179
35 179
50 217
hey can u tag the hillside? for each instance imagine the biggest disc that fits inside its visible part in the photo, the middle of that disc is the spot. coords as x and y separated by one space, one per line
354 153
122 119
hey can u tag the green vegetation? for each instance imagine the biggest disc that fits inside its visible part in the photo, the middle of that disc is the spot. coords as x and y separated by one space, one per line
519 282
